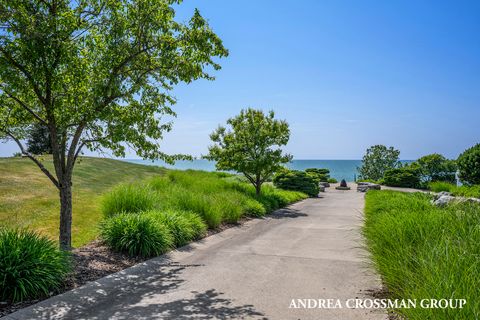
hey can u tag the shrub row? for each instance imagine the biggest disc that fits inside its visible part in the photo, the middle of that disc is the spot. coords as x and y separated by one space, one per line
172 210
151 233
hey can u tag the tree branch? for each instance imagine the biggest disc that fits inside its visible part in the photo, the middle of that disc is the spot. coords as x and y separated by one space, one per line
24 105
25 73
35 160
72 150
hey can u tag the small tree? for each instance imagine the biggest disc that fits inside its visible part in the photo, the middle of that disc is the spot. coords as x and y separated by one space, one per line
251 147
39 141
377 160
97 74
469 165
435 167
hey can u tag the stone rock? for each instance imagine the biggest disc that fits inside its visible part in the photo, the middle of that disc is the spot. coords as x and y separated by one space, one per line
473 200
444 200
325 184
321 188
439 194
365 186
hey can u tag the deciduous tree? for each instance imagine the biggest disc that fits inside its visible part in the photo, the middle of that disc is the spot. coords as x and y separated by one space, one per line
377 160
97 74
251 145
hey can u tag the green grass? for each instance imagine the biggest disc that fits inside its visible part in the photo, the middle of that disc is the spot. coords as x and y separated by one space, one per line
217 198
29 199
185 203
129 199
463 191
423 252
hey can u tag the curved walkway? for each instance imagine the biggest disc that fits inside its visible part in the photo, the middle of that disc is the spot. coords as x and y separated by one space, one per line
310 250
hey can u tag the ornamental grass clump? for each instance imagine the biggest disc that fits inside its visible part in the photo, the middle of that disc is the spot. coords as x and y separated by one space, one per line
137 235
179 225
423 251
254 208
128 198
31 265
197 224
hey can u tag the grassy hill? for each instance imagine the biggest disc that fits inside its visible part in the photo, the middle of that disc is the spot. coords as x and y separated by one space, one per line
29 199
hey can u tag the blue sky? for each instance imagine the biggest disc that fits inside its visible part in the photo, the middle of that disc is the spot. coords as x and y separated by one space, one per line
344 74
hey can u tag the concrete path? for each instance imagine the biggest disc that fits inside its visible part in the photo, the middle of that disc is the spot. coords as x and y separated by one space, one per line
309 250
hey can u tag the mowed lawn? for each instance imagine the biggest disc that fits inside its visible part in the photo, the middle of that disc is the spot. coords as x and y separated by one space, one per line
29 199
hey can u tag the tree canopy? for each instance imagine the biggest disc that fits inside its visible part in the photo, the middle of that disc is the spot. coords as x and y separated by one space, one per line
435 167
377 160
469 165
97 74
251 145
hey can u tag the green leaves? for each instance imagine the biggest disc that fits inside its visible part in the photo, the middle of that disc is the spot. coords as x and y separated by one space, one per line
106 67
377 160
252 146
469 165
98 74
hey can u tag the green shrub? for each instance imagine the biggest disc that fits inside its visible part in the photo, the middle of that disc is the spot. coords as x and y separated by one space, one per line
469 165
318 171
201 204
402 177
423 251
178 224
297 181
31 265
440 186
320 175
332 180
196 223
462 191
254 208
128 198
435 167
222 174
467 191
136 234
214 199
230 205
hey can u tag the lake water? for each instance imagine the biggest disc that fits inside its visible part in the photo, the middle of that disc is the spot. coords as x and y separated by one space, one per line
339 169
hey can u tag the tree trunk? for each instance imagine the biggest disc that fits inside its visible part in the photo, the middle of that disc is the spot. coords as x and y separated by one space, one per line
258 188
66 215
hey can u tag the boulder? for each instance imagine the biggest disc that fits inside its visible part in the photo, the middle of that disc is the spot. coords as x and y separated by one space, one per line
325 184
365 186
443 200
321 188
473 200
436 196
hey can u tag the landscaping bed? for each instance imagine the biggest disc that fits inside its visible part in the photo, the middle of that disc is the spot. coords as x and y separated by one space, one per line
141 220
90 262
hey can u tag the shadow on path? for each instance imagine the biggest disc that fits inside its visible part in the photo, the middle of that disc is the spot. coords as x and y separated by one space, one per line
287 213
136 294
